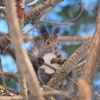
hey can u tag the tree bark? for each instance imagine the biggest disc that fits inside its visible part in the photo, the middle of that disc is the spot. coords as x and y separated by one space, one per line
36 11
89 70
69 64
21 56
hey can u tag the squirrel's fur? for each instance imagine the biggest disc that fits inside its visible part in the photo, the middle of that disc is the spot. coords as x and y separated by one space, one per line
47 50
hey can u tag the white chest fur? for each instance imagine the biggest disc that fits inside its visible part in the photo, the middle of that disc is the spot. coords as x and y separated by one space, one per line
47 58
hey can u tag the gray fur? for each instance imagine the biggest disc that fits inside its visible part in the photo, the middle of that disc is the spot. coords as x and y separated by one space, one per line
50 45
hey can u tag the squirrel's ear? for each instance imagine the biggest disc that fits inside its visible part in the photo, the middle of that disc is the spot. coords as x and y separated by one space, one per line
56 31
43 32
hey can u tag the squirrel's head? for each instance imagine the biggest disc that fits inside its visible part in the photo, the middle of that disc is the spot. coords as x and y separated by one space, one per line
50 43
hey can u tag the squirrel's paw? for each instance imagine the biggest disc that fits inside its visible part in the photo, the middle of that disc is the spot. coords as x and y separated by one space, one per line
40 61
54 60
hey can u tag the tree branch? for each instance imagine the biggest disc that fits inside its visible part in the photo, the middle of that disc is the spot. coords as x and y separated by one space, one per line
69 64
65 40
41 18
36 11
32 3
53 91
56 23
89 70
12 98
21 78
10 75
80 65
22 58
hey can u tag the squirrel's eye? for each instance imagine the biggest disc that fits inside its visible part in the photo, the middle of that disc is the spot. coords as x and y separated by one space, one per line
48 42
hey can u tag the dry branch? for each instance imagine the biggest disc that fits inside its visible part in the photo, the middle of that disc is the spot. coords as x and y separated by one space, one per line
32 3
6 36
89 70
21 56
53 91
12 98
21 78
36 11
69 64
37 22
81 4
80 65
56 23
10 75
65 40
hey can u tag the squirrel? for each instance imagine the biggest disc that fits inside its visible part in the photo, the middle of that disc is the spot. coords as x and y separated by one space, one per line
47 51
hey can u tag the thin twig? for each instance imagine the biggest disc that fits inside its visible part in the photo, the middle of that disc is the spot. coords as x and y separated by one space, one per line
30 29
55 71
6 36
96 94
38 22
53 91
80 65
72 80
48 10
32 3
78 14
70 24
12 41
78 84
36 11
49 66
10 75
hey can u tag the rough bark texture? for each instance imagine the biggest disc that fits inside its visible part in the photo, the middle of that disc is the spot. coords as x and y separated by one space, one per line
21 56
80 65
63 71
21 78
36 11
89 70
